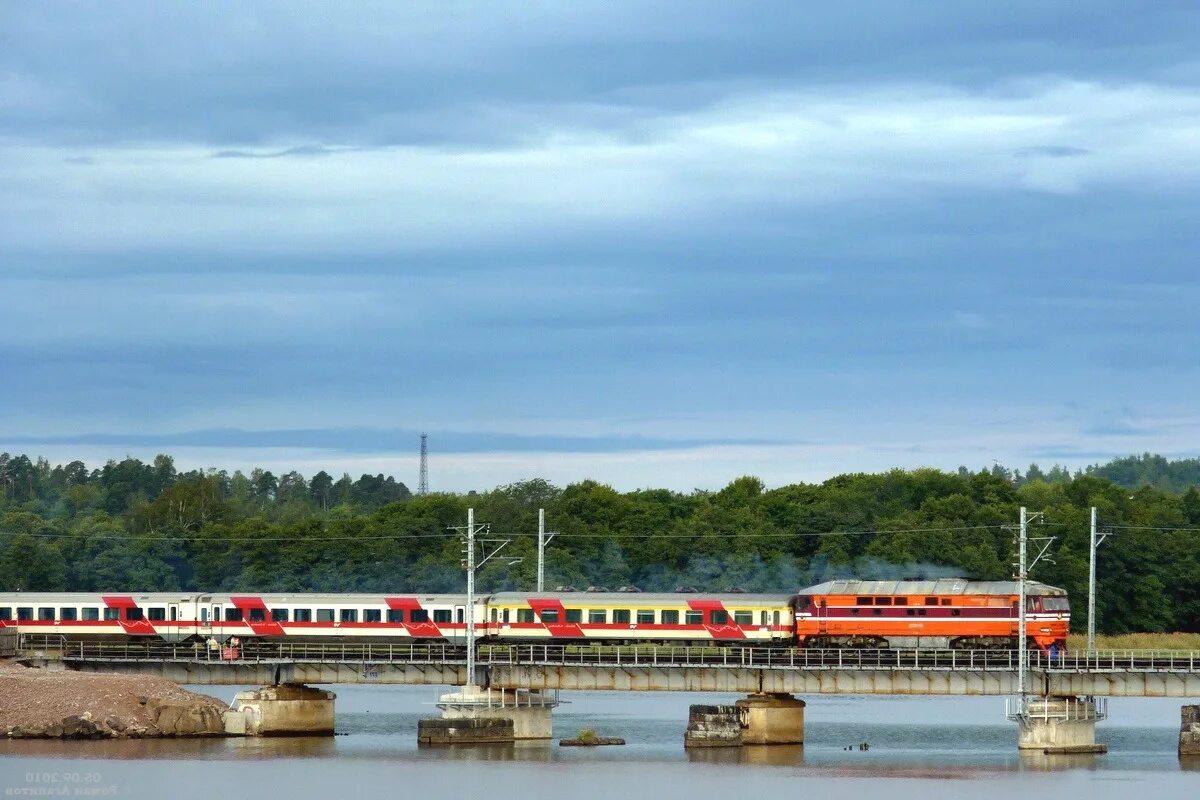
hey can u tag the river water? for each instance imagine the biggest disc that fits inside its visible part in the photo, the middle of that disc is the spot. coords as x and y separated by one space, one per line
918 748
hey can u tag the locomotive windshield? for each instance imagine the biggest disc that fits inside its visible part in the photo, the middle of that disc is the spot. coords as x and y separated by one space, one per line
1055 604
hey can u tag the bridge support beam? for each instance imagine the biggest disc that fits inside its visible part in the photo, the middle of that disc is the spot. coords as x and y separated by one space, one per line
1060 725
529 711
285 710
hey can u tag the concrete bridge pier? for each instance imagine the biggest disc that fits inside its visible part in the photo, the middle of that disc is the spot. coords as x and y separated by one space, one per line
757 719
1060 725
284 710
527 712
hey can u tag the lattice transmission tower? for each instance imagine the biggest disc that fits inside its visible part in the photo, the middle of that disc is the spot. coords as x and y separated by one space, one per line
423 478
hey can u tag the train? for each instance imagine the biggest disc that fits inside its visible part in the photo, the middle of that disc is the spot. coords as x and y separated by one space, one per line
954 613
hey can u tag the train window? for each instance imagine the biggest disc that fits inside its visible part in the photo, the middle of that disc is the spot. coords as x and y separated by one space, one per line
1056 604
775 617
5 612
670 617
645 616
901 601
719 617
256 614
324 615
24 613
69 614
694 617
945 601
418 615
235 614
372 615
396 615
745 617
351 615
158 614
444 615
302 615
549 616
279 615
764 618
931 601
46 614
504 616
574 615
597 616
524 615
90 614
883 601
621 616
135 614
859 601
111 614
459 614
495 615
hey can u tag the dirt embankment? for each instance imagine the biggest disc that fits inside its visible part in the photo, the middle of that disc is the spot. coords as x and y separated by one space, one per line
54 704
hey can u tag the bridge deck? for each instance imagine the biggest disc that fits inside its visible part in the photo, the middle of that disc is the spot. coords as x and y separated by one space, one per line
734 669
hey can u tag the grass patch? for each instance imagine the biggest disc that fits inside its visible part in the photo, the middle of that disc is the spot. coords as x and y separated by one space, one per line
1137 641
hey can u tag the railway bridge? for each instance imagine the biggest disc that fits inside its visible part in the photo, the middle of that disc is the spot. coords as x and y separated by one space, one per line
1066 693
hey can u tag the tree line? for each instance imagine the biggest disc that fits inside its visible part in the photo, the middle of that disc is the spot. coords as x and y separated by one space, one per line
136 526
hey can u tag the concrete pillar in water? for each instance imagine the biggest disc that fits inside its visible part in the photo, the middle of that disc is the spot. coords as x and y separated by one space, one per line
772 719
529 711
757 719
1189 731
285 710
1060 725
713 726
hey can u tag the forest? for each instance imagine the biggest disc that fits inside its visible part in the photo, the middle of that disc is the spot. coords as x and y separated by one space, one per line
135 526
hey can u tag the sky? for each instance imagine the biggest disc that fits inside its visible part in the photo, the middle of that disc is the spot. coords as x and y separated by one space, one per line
653 244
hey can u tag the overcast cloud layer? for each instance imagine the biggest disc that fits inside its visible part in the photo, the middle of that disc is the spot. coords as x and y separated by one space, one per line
657 244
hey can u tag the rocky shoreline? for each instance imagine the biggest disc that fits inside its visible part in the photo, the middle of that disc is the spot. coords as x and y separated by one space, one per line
59 704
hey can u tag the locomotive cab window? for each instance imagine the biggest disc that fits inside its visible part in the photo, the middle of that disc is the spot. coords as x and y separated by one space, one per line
279 615
396 615
670 617
1056 604
68 614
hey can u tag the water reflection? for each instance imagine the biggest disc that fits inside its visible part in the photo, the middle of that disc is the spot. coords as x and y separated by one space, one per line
1189 763
780 755
1038 761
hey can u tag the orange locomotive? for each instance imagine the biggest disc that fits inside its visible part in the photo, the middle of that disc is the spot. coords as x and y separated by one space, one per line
948 613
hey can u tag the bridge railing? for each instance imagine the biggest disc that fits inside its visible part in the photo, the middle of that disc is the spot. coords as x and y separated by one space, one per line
620 656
